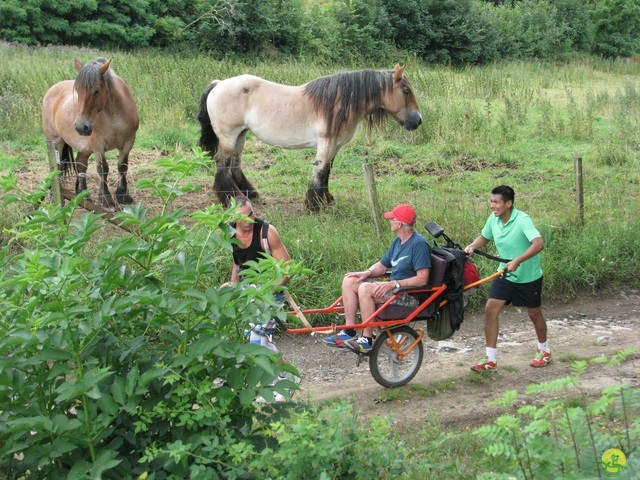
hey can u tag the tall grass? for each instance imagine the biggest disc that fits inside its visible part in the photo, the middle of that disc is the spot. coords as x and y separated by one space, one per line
518 123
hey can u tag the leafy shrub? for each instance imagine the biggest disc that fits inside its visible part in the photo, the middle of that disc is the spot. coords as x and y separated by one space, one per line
325 443
116 359
566 437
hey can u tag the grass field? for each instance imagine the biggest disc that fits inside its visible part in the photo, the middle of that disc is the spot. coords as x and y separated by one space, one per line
519 123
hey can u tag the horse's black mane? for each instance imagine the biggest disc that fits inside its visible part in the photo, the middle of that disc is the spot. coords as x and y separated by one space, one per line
354 92
89 75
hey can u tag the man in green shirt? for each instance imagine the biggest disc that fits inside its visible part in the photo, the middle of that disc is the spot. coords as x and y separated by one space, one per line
515 238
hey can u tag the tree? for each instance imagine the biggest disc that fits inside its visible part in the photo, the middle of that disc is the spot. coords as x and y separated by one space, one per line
617 27
119 23
573 16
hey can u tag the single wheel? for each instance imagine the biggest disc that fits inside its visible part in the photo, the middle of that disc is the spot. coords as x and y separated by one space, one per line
389 368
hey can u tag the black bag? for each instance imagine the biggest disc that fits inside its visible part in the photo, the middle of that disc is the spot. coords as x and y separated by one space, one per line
448 319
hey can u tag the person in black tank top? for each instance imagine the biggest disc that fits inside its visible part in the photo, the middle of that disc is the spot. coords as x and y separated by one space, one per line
251 244
254 251
255 238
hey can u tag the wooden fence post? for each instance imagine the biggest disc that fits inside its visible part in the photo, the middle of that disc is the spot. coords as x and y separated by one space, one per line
577 162
370 183
54 164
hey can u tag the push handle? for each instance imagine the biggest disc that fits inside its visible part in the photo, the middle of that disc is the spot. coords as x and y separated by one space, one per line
437 231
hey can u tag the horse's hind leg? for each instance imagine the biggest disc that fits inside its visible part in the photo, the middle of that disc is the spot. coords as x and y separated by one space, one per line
243 184
224 184
122 194
104 195
241 181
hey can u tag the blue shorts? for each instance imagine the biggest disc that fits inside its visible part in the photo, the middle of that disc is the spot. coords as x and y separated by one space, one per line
528 295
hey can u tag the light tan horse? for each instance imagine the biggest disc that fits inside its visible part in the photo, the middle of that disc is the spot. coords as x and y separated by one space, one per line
93 114
322 114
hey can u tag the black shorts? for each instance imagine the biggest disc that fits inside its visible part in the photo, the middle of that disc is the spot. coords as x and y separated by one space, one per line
527 295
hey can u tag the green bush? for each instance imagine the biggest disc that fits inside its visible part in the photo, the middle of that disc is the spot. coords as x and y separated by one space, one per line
116 359
567 436
325 443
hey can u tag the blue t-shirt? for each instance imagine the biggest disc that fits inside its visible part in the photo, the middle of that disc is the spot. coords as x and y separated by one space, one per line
405 259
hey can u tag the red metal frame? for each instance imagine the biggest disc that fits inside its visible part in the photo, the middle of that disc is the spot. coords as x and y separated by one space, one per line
373 321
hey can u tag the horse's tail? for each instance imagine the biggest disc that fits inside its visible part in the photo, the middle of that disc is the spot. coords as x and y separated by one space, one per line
67 162
208 138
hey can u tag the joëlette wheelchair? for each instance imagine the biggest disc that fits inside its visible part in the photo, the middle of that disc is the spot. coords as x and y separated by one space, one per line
398 350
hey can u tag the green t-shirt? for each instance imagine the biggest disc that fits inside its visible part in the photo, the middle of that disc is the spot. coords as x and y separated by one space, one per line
511 240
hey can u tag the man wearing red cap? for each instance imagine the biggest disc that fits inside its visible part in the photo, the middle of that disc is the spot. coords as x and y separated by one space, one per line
409 258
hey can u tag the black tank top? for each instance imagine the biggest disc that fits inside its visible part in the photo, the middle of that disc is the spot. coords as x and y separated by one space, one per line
253 251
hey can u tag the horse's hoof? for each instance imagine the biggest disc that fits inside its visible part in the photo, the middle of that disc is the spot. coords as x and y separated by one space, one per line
224 200
107 203
312 205
125 199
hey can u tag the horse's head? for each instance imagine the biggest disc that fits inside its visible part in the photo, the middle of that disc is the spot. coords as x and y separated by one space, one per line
400 102
91 90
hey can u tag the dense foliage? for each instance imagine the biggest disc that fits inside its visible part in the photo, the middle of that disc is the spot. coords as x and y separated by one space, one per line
440 31
121 364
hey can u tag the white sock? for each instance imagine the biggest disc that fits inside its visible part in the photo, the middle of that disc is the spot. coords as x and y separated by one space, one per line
543 346
491 354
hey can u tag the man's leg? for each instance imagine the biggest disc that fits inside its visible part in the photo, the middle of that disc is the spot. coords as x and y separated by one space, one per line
539 323
491 325
350 301
543 352
367 305
350 287
492 310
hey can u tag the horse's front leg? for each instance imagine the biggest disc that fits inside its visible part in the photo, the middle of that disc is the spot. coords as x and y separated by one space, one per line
224 185
80 167
318 194
122 194
104 195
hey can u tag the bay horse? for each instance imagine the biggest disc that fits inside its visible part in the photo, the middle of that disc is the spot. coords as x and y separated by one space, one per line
92 114
322 114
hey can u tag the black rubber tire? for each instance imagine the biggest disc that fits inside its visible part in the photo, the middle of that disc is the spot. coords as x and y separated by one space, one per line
385 367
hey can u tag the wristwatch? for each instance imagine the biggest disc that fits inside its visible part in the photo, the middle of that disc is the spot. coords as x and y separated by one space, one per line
397 284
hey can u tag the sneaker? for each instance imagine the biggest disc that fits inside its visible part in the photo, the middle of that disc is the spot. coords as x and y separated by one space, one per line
485 365
541 360
361 345
338 339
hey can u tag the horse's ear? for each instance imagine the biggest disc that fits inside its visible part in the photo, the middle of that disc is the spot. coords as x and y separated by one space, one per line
78 64
103 69
398 71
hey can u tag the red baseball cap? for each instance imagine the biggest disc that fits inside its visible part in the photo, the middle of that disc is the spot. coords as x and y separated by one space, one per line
403 212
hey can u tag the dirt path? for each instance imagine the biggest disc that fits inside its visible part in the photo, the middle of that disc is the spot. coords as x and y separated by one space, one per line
446 387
